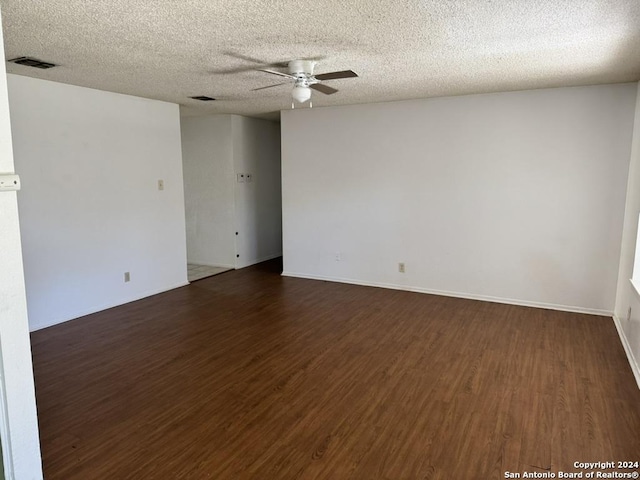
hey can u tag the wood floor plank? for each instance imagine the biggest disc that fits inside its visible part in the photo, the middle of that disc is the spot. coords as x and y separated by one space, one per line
250 375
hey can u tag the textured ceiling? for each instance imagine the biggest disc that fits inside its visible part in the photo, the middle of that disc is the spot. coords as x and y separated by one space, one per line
170 50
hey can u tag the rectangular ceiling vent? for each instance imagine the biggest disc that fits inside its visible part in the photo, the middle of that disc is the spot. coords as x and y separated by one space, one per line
32 62
203 98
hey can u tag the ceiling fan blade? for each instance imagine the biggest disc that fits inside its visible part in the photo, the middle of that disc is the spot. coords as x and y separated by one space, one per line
326 89
225 71
276 73
269 86
336 75
246 58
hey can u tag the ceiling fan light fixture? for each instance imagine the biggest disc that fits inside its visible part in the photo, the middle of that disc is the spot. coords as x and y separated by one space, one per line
301 94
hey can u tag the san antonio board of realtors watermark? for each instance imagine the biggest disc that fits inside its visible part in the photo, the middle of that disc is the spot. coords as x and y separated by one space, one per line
586 470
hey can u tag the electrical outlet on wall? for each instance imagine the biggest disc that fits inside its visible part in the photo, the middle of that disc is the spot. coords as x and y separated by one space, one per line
338 257
629 315
9 182
127 277
401 267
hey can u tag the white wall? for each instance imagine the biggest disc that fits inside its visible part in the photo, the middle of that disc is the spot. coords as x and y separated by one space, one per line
18 421
91 209
259 202
209 179
215 149
515 197
628 297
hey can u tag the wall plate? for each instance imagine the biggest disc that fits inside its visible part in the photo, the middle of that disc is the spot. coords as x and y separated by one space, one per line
9 182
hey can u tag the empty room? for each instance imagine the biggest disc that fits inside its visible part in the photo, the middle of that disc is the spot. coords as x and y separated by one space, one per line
328 240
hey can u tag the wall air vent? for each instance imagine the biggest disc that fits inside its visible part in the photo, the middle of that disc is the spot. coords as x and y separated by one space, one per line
32 62
203 98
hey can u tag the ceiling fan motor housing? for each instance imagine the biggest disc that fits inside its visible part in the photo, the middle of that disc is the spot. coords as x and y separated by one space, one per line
305 67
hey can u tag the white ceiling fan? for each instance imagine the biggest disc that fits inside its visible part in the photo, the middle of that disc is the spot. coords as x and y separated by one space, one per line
301 74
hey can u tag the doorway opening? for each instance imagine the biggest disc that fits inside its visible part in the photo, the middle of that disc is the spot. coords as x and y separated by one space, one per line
198 272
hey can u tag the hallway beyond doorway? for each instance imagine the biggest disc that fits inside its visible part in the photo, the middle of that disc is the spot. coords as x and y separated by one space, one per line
198 272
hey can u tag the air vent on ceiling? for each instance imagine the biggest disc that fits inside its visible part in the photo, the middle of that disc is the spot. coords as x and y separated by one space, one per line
203 98
32 62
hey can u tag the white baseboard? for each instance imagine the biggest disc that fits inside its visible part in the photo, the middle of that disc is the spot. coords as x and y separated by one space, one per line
221 265
260 260
105 306
269 257
627 349
470 296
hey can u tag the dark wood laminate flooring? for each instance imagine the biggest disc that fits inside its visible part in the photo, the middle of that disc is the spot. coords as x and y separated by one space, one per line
249 375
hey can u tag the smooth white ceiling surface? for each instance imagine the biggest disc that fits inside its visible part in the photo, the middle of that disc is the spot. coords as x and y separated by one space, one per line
170 50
